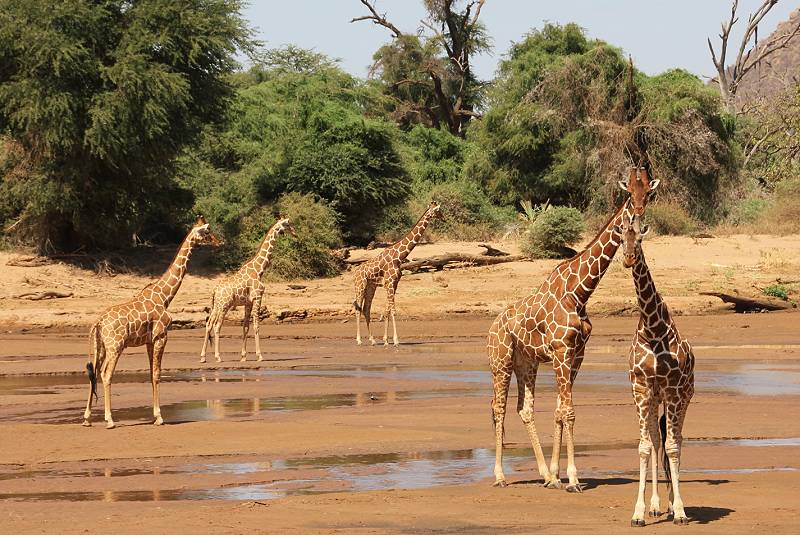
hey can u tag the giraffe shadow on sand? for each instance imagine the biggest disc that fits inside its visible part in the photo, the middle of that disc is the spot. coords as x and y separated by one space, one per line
699 515
593 483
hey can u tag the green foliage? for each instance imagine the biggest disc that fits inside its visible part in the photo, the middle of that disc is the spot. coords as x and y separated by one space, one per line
305 256
748 211
669 217
300 131
553 229
777 290
99 97
563 120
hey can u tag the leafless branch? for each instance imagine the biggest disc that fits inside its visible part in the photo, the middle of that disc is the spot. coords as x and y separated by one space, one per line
378 19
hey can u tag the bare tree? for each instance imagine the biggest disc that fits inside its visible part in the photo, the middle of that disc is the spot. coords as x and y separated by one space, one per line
729 78
454 89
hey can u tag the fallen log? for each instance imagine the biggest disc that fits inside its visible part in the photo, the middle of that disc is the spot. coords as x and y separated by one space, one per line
29 261
491 251
752 304
38 296
438 263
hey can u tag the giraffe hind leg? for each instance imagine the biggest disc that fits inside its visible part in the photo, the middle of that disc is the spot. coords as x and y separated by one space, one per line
500 361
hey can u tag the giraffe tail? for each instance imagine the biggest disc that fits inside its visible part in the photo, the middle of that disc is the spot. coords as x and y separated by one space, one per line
94 350
356 306
662 427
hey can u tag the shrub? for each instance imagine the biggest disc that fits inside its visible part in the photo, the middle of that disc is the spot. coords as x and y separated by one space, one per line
783 217
748 211
306 256
670 218
553 229
777 290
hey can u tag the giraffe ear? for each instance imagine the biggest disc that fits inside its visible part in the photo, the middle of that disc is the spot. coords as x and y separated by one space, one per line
654 184
623 184
617 229
645 229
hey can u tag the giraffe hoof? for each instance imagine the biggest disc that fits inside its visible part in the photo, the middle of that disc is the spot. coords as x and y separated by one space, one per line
243 359
553 484
500 483
575 488
681 521
637 523
111 425
159 421
86 423
260 358
202 359
654 512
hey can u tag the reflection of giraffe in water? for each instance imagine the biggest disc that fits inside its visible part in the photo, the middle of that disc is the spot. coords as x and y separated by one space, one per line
552 326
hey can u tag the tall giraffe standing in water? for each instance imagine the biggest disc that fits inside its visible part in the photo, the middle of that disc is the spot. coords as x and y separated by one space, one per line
385 270
551 325
246 288
661 371
143 320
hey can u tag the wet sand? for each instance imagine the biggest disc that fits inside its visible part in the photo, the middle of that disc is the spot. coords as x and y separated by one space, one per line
323 436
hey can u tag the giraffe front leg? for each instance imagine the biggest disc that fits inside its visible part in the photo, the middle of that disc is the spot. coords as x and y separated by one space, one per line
205 339
526 383
644 407
248 309
655 440
158 352
256 325
369 294
217 327
391 289
672 447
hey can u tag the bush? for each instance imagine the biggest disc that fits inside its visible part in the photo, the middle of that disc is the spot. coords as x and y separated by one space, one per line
777 290
783 217
748 211
670 218
306 256
553 229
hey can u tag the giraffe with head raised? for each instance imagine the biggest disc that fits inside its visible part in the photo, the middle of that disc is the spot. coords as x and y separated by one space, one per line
143 320
384 270
246 288
661 372
551 325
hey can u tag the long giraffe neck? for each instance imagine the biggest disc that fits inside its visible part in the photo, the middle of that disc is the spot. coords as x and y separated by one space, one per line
591 264
653 313
170 282
262 258
410 240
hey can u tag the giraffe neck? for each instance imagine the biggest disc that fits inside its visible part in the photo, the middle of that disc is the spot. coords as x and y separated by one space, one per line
653 312
264 255
404 247
170 282
591 264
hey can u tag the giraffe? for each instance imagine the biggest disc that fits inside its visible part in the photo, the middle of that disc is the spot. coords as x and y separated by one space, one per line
661 372
384 270
551 325
143 320
246 288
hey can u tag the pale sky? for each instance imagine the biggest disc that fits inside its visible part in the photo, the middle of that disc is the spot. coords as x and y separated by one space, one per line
659 34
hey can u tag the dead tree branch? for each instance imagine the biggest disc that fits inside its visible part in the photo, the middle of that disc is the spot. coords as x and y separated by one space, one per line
39 296
380 20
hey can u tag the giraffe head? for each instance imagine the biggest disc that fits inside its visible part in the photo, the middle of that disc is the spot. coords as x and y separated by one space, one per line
283 225
201 235
434 210
640 187
632 232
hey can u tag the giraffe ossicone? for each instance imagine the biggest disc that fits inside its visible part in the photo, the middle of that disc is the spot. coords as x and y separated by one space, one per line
143 320
245 287
551 325
661 368
384 270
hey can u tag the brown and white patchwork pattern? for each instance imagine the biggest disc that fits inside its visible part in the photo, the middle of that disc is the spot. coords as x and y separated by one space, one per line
384 270
551 325
143 320
244 288
661 373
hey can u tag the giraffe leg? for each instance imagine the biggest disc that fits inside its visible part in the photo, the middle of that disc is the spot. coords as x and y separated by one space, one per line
256 325
359 304
106 374
500 353
391 288
217 327
655 440
158 351
248 309
568 420
206 337
369 294
644 405
525 368
101 356
675 416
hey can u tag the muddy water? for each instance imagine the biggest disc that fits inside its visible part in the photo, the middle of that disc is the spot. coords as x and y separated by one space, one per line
355 473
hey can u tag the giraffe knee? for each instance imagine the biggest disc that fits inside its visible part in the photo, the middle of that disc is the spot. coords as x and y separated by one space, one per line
565 415
645 448
672 446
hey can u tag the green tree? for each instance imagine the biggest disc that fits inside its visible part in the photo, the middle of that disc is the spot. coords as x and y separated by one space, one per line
567 115
97 99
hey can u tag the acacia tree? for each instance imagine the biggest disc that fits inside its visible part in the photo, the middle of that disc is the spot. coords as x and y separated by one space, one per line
96 100
429 73
747 56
